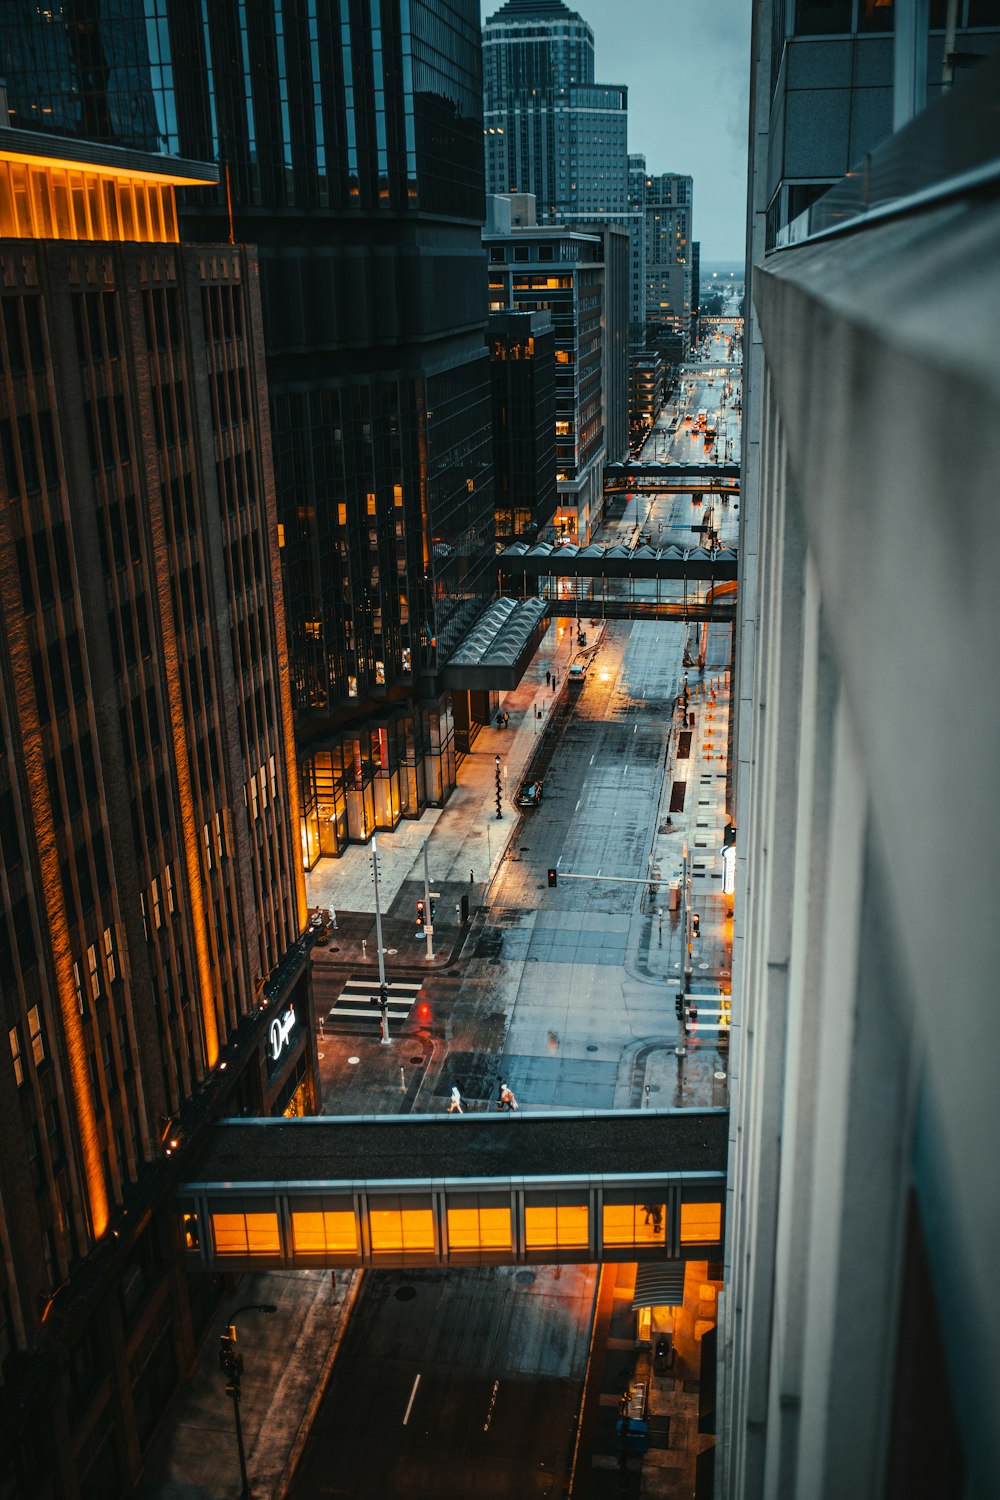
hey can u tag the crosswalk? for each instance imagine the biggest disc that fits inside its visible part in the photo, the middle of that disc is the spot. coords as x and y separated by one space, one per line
357 1004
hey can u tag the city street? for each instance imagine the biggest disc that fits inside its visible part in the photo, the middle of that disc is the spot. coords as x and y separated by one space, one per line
471 1381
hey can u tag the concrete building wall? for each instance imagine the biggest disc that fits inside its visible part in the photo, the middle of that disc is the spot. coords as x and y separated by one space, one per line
863 1103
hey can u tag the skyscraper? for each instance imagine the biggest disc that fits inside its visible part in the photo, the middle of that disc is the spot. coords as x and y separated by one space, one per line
668 209
550 129
152 970
351 153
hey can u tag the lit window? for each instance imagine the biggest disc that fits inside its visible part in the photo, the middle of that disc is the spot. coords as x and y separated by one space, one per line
380 671
634 1223
36 1035
402 1226
701 1223
556 1225
93 972
352 688
407 658
245 1233
110 962
168 887
478 1225
14 1038
325 1233
78 981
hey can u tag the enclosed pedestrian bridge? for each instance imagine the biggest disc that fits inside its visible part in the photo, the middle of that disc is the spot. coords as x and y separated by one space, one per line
443 1190
625 583
672 478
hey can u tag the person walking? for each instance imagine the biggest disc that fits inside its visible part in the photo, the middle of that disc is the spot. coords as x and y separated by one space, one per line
506 1100
455 1107
548 678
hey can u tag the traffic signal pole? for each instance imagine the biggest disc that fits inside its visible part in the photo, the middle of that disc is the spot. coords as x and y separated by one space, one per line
428 918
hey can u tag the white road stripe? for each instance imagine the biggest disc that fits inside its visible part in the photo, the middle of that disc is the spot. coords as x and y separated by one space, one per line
409 1404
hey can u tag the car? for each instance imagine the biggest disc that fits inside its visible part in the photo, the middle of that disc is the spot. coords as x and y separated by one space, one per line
645 537
530 793
577 673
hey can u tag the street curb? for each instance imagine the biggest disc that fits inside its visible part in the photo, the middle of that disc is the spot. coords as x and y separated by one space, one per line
305 1426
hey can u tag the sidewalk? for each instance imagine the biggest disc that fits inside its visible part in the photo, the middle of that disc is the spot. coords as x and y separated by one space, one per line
466 841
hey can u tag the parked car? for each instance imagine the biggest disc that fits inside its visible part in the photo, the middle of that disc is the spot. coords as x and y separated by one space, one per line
530 793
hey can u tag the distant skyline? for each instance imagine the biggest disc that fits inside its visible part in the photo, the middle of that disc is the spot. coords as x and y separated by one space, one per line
687 67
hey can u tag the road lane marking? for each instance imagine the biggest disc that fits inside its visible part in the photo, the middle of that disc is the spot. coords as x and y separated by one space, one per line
577 807
409 1404
592 758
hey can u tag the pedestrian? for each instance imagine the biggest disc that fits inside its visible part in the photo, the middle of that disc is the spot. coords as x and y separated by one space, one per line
548 678
455 1107
506 718
507 1100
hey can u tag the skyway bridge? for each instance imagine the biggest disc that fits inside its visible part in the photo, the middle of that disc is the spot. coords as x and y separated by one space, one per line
538 1187
623 583
672 478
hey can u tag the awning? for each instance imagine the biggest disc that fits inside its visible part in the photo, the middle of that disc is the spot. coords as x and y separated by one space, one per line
659 1284
499 646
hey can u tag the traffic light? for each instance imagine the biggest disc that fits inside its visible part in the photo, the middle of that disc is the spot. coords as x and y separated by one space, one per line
433 908
420 914
553 877
679 1007
230 1363
695 923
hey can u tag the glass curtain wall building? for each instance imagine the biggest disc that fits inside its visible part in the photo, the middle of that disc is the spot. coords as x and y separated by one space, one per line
550 129
349 138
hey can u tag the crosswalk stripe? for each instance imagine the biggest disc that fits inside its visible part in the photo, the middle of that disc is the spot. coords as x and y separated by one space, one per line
354 1003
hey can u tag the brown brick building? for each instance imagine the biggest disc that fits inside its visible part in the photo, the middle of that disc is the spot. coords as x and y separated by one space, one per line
151 895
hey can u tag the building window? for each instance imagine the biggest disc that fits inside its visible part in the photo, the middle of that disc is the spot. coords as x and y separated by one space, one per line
556 1224
701 1223
36 1034
110 962
404 1223
14 1037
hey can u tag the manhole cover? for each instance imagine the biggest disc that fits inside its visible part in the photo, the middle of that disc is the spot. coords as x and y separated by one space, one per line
592 1048
524 1277
334 950
416 1061
704 966
354 1061
405 1293
719 1077
391 950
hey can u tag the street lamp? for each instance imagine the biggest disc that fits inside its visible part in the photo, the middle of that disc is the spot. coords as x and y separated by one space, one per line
499 789
231 1365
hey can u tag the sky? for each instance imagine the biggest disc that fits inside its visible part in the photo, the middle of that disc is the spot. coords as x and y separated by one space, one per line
687 67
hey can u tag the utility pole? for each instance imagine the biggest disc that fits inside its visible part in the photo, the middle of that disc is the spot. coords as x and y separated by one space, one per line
428 919
383 988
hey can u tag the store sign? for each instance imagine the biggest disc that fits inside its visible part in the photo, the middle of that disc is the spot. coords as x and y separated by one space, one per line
280 1035
729 869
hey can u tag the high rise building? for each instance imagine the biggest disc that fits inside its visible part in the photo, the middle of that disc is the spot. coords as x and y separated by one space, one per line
669 208
545 269
351 151
859 1340
152 970
550 129
637 248
523 366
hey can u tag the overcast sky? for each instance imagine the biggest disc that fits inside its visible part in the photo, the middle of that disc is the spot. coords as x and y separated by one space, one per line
687 66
